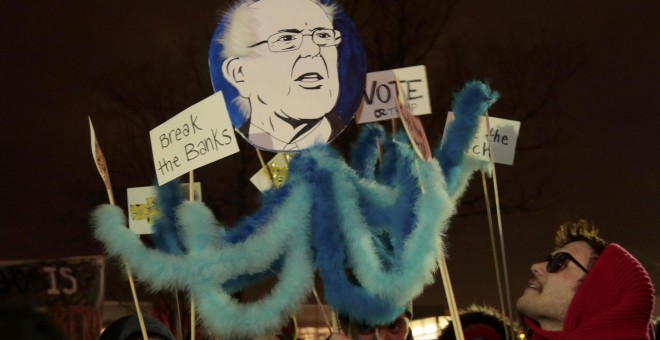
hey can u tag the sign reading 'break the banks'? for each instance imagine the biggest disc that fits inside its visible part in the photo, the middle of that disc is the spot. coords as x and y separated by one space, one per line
195 137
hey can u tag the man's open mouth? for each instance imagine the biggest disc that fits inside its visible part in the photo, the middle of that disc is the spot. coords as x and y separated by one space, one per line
309 77
535 285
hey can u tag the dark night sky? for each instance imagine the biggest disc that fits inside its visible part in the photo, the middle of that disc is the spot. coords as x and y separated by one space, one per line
589 71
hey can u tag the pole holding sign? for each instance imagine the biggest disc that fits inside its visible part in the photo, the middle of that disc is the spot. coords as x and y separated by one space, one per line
102 167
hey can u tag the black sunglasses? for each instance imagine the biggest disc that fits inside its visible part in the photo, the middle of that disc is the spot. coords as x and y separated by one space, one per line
559 261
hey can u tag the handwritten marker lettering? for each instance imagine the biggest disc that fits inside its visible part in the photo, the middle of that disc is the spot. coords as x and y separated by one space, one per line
195 137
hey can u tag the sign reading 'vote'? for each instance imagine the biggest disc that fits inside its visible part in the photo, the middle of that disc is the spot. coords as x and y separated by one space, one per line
195 137
381 92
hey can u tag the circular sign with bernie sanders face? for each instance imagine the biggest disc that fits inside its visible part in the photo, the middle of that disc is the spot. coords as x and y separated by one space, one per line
292 72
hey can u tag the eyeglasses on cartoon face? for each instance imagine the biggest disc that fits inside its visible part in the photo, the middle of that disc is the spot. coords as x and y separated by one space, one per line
558 261
291 39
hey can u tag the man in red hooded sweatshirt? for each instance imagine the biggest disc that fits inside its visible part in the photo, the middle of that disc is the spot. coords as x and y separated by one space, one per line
588 289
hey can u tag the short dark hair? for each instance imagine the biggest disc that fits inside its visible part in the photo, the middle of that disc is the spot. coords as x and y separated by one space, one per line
24 322
580 230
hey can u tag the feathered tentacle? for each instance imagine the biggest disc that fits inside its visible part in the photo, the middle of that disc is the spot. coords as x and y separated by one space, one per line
286 234
344 296
365 152
382 285
228 318
253 255
166 236
413 267
469 104
160 269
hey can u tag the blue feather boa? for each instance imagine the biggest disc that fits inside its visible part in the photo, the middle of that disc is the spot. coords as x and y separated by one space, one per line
382 220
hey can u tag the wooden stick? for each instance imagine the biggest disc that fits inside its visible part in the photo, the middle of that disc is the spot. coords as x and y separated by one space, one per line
101 166
191 193
449 292
494 248
325 316
499 219
191 186
192 319
444 272
335 323
179 331
143 329
131 282
265 166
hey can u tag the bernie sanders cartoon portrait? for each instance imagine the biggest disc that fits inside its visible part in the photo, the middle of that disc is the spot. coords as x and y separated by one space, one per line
292 71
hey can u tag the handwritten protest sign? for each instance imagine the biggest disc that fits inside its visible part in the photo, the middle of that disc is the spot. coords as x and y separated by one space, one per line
195 137
142 206
413 126
503 135
380 94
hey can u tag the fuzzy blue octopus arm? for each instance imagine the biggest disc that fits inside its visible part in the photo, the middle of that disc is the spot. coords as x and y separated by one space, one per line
202 236
165 232
161 269
469 104
413 266
286 240
345 296
391 223
383 184
167 238
414 262
365 152
167 228
245 281
228 318
253 255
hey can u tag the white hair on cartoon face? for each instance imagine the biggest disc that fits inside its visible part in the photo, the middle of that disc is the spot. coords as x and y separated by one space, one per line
238 31
238 34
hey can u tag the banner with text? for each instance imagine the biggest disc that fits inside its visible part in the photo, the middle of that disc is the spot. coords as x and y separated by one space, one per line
380 94
193 138
70 289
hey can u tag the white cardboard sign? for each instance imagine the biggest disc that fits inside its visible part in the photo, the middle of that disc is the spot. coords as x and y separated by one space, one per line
193 138
380 93
278 168
503 136
142 206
